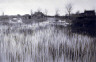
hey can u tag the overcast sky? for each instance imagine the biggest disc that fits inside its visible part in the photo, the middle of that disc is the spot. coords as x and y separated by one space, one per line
13 7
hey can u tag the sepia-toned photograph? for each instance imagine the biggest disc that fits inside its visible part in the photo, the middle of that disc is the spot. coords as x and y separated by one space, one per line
47 30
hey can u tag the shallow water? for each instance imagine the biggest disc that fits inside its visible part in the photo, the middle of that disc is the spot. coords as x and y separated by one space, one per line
45 44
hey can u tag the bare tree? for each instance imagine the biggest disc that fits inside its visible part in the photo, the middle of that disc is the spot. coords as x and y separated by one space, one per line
39 10
46 11
31 12
69 8
78 12
57 12
3 14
